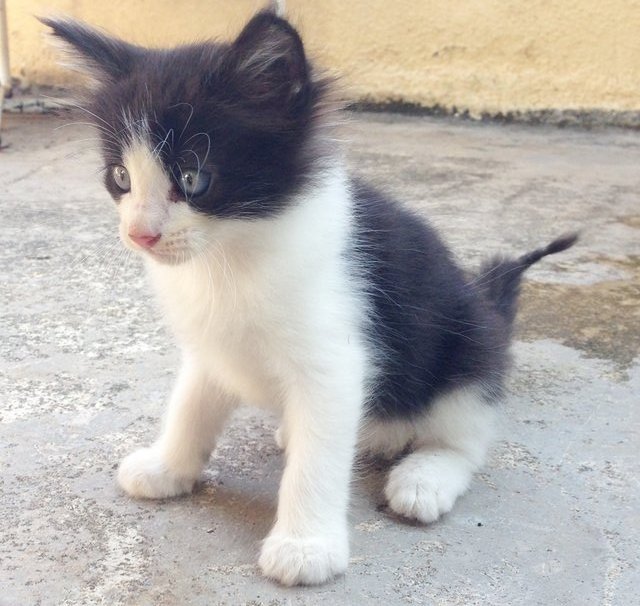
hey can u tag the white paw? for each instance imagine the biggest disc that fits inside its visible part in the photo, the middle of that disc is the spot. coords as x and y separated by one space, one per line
303 561
425 485
143 474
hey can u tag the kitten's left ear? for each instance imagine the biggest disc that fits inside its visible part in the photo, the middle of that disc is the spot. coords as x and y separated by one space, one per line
269 64
94 53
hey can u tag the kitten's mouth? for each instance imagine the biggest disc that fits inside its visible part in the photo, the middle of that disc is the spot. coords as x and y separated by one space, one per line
167 249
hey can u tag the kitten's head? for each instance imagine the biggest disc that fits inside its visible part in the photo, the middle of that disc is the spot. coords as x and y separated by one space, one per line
200 134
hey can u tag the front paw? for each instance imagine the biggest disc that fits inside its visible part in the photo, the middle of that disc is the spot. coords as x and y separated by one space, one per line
303 560
143 474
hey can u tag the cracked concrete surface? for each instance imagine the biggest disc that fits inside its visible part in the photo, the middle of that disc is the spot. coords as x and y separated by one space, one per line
86 366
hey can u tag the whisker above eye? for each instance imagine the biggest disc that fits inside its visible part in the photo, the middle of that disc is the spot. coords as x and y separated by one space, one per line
157 151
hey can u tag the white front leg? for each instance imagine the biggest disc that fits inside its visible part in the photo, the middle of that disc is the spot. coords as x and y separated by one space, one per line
195 416
309 541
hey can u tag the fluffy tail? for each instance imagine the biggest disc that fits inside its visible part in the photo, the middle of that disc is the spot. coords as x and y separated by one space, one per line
500 278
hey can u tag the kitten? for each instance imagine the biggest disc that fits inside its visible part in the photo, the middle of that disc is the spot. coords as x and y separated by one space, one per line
292 286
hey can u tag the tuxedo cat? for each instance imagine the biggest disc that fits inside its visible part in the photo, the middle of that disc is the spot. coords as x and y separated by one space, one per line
292 286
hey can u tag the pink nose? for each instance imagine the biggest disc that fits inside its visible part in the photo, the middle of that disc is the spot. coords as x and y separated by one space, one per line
145 240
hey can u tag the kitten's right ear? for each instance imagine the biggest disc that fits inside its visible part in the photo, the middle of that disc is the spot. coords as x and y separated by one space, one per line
93 53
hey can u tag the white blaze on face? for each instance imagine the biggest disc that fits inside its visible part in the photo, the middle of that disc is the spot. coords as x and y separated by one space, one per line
149 209
146 208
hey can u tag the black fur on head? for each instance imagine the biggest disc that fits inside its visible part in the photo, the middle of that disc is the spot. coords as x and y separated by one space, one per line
246 111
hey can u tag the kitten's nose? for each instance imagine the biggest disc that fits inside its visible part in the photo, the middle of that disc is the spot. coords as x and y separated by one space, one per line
144 240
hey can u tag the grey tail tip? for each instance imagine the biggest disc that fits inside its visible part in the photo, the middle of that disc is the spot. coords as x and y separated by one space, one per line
558 245
500 278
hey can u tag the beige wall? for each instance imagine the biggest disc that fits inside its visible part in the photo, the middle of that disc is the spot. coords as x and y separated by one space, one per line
480 55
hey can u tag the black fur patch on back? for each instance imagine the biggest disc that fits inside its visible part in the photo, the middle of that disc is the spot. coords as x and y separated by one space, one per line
433 327
436 328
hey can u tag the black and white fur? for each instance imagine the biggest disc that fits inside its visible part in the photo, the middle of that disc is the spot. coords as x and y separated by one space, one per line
293 287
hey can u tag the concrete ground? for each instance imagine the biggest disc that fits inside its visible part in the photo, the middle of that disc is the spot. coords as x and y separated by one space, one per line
86 366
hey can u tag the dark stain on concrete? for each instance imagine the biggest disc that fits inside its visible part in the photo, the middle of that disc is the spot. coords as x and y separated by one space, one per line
602 320
631 221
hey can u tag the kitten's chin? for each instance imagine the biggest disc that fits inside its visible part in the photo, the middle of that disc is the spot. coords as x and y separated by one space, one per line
164 257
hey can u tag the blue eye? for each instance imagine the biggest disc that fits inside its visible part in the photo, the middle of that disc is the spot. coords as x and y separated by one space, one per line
193 182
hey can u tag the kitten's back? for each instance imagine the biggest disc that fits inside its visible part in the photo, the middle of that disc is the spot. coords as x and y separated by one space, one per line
433 328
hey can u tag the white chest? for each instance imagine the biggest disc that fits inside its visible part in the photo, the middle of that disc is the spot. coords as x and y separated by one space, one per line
230 329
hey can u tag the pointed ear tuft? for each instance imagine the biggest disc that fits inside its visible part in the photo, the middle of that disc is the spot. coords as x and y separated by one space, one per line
94 53
270 64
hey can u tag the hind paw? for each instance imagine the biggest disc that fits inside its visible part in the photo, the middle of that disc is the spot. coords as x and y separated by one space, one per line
425 485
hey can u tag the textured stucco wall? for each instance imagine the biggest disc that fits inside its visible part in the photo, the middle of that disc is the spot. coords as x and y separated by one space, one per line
490 56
